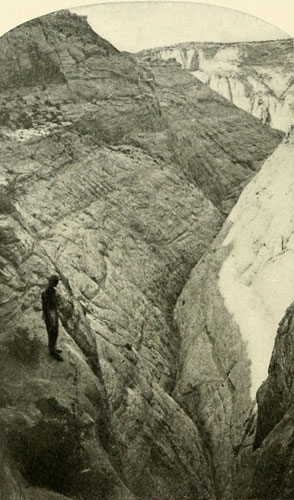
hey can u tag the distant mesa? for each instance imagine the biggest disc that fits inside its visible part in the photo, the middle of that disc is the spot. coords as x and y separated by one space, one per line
255 76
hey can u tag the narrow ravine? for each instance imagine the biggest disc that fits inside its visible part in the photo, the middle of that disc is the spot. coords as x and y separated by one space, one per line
122 195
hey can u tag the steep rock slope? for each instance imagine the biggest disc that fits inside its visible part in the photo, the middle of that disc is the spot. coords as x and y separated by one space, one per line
114 99
116 176
272 475
253 255
241 286
255 76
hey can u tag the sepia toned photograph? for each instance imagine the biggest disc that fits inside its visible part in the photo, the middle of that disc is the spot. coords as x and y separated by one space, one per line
146 254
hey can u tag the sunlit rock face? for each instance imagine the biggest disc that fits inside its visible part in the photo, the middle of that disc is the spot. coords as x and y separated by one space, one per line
117 176
227 316
261 242
255 76
250 258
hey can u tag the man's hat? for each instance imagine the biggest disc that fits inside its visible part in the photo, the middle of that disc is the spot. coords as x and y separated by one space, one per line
53 279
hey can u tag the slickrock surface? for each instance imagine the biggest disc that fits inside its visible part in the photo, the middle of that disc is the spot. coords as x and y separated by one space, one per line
117 177
255 76
242 285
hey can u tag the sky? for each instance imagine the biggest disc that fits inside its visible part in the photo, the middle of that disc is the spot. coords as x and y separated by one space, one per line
279 13
140 25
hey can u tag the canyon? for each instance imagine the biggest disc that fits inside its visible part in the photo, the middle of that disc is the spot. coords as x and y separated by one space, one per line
255 76
164 210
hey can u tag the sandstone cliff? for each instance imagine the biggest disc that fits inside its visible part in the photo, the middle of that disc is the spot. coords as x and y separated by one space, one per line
117 176
255 76
242 285
250 258
272 475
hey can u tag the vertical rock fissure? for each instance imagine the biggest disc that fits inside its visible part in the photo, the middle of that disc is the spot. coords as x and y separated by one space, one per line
225 374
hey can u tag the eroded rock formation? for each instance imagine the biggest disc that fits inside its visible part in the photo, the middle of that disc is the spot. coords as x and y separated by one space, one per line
250 257
255 76
236 289
116 176
273 459
264 467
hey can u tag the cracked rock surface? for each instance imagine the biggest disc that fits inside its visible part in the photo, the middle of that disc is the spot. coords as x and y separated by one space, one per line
117 179
229 309
274 434
255 76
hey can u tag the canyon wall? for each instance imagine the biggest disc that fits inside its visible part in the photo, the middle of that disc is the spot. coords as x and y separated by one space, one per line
117 176
255 76
232 304
273 459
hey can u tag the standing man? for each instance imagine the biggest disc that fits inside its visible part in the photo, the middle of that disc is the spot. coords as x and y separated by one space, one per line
50 316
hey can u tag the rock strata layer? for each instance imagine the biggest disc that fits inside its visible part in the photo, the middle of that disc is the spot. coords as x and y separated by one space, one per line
116 176
255 76
229 309
272 474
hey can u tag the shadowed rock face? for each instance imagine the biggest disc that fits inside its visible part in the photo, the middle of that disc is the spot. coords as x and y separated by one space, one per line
115 176
238 275
48 55
272 471
255 76
214 369
227 315
274 396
